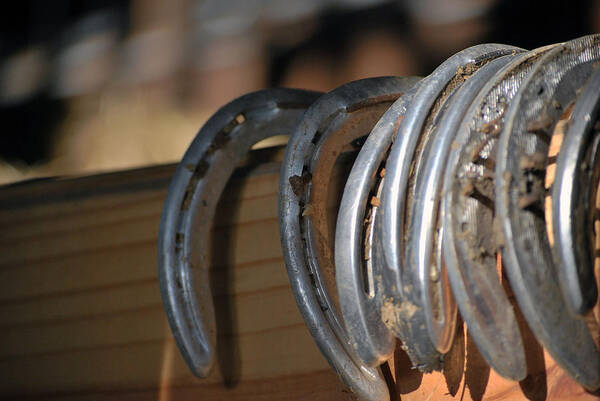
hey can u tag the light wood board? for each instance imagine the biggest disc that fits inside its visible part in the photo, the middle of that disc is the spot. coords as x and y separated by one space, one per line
81 315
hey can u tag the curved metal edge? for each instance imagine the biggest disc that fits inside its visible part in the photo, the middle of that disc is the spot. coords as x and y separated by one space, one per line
425 222
399 285
484 307
321 319
568 340
372 340
575 257
191 200
421 353
398 164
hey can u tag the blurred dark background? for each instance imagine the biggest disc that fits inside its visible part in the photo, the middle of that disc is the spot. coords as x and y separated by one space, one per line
97 85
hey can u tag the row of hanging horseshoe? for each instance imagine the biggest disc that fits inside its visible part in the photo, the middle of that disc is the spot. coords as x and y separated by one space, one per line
491 159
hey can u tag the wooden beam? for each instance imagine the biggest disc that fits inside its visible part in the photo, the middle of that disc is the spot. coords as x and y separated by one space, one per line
81 316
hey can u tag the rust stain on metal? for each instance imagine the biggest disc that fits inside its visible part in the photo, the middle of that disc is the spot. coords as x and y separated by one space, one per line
299 182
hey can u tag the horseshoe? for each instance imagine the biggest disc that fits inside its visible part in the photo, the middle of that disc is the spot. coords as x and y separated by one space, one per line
522 158
574 200
337 118
469 239
358 290
190 205
402 297
424 240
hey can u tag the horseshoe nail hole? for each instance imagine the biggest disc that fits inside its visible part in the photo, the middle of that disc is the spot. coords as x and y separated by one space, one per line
359 142
464 227
435 295
240 118
316 138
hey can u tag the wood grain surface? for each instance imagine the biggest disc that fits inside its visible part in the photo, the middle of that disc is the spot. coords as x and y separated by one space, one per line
81 315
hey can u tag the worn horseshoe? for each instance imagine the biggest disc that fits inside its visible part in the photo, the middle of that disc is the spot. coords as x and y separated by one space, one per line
470 244
424 240
548 90
355 276
574 201
336 119
400 281
190 205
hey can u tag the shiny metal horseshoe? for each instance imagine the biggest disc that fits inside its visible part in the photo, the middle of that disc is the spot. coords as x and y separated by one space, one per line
523 147
358 292
190 205
573 201
424 240
470 245
337 118
402 293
